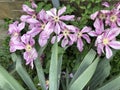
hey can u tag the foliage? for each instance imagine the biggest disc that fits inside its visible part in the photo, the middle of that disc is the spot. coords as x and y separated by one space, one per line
57 64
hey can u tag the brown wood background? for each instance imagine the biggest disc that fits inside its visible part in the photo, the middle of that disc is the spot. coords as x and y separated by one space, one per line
10 8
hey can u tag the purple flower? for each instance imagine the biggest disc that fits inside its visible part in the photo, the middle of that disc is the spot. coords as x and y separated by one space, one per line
106 4
26 43
33 4
117 6
113 18
82 34
56 19
39 27
99 28
106 41
15 29
99 14
15 44
31 17
67 35
30 53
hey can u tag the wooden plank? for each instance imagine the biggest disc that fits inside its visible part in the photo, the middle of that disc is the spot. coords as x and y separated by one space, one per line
10 9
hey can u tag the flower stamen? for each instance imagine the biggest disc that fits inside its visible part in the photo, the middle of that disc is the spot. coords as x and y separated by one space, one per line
105 41
28 48
113 18
65 32
43 26
34 16
56 18
79 34
102 16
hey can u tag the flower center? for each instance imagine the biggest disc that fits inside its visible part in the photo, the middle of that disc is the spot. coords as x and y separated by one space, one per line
113 18
34 16
56 18
65 32
79 34
105 41
15 34
47 82
102 16
43 26
28 48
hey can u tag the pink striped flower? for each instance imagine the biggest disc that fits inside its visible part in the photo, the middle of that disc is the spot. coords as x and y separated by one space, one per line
14 30
82 34
113 18
99 28
106 41
102 14
26 42
56 19
31 16
67 35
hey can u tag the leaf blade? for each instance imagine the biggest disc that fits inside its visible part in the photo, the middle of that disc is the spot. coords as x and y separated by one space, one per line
83 79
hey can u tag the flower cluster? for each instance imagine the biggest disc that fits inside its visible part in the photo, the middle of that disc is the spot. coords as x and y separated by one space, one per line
106 24
51 23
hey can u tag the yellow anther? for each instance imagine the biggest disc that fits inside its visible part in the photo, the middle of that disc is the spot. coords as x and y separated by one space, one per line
65 32
105 41
79 34
56 18
113 18
28 48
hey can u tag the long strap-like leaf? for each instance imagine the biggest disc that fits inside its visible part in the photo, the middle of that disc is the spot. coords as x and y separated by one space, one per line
85 63
39 69
22 72
113 84
84 78
53 72
7 82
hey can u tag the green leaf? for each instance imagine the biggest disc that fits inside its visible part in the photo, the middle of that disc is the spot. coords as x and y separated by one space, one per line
60 54
53 72
40 70
101 73
113 84
84 78
85 63
56 3
22 72
7 82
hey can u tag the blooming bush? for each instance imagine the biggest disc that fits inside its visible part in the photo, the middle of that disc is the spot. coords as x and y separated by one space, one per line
40 30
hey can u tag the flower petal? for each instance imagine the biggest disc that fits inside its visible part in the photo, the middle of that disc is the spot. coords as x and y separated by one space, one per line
32 21
24 18
42 42
27 9
86 29
52 12
106 4
94 15
92 33
21 26
114 44
61 11
80 45
108 52
64 42
113 33
86 37
67 17
34 31
99 27
57 28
